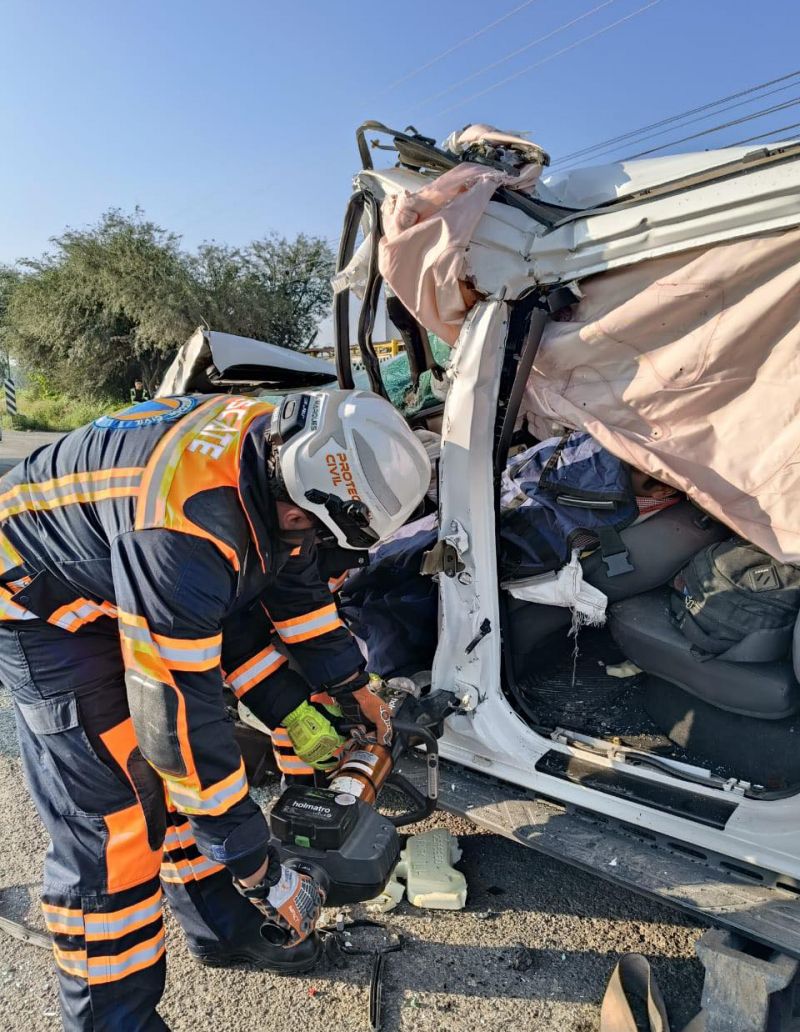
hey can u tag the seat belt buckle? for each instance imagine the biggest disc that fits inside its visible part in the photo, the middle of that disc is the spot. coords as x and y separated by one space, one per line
613 552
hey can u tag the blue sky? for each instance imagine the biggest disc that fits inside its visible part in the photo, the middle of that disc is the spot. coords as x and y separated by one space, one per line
229 120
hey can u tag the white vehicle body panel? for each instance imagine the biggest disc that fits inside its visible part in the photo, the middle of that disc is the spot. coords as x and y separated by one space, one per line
632 212
228 351
740 193
492 737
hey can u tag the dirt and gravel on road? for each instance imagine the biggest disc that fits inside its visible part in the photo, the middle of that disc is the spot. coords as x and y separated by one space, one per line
533 949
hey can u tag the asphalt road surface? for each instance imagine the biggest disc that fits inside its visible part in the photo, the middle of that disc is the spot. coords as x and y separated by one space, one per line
16 444
532 950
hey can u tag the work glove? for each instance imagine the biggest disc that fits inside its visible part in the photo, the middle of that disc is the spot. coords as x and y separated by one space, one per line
314 738
290 901
364 707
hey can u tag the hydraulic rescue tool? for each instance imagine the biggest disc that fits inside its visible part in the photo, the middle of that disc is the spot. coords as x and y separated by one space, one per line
335 831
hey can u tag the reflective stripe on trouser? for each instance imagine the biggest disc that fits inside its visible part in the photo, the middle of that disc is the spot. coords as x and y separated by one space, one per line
102 897
200 892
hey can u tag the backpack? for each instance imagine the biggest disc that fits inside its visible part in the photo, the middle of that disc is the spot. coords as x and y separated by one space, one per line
734 602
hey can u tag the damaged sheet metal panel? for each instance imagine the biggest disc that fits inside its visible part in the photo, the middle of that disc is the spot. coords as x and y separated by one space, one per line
760 201
595 185
211 361
631 212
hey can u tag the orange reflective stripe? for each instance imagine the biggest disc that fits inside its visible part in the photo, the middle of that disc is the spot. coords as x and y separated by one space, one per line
71 479
255 670
9 556
296 551
73 962
152 505
95 486
310 625
116 923
188 644
189 870
13 610
80 612
212 801
195 654
296 621
66 920
334 583
111 969
179 838
288 763
190 653
280 737
292 766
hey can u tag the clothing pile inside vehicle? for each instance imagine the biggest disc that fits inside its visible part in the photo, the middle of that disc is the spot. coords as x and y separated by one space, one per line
568 505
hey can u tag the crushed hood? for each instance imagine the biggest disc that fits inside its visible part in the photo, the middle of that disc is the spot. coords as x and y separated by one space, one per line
210 360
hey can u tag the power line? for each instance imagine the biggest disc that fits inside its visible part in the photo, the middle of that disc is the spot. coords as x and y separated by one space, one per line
558 53
673 118
716 128
457 46
772 132
514 53
638 138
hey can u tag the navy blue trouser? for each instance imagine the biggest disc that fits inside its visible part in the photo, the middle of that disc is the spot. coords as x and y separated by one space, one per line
114 840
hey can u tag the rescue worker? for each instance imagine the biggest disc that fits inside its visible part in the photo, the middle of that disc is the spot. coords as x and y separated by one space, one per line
140 557
139 392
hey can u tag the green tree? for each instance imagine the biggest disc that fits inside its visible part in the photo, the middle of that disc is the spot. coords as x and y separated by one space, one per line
104 303
117 299
9 280
274 289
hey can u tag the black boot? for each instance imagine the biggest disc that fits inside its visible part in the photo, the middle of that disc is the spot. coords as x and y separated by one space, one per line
257 951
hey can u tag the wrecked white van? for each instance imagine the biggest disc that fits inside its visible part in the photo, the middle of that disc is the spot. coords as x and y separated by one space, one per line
653 304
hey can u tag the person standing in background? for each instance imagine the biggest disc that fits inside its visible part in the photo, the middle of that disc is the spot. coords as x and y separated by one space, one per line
139 392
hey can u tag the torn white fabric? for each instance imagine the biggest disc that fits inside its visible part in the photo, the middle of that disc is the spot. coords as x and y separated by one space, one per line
354 275
567 588
688 367
423 254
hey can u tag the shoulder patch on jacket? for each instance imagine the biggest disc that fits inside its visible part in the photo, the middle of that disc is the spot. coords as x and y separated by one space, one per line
147 413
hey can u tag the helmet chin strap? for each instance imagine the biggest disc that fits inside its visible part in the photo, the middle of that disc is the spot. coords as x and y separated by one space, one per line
351 517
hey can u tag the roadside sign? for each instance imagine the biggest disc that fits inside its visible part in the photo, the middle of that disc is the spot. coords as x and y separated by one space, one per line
11 397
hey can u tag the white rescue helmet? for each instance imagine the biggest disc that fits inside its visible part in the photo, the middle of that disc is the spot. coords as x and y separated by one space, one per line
349 458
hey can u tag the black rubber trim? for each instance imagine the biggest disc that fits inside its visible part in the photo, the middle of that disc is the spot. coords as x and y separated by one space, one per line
714 813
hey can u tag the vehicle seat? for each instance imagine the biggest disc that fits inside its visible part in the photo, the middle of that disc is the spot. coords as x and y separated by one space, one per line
643 629
657 548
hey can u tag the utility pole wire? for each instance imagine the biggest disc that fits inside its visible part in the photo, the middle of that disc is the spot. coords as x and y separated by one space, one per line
772 132
716 128
550 57
515 53
672 118
682 125
456 46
